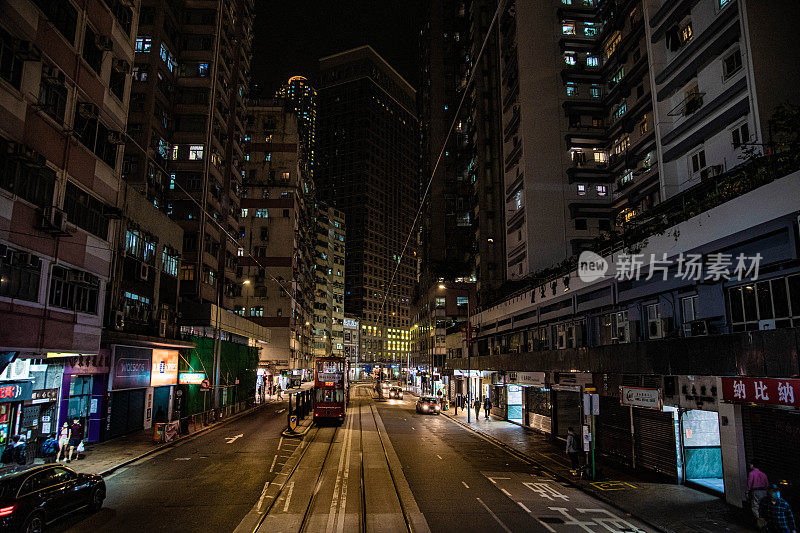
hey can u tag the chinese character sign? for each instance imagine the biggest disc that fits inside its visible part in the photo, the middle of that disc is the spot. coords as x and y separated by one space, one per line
762 390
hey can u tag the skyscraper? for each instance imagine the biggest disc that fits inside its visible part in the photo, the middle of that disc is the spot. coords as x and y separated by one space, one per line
302 98
368 167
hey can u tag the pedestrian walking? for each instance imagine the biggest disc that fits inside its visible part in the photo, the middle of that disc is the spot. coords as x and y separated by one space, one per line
63 442
777 514
75 438
279 392
487 407
757 485
477 406
573 450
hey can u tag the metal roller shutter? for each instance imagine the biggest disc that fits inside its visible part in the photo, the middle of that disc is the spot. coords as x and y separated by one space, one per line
614 430
127 412
655 441
771 438
568 412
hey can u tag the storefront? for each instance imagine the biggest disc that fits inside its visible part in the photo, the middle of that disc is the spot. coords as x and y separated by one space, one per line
654 445
130 381
12 396
84 386
532 407
566 409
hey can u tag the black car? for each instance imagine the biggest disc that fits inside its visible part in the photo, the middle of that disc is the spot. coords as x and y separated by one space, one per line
428 405
32 497
396 392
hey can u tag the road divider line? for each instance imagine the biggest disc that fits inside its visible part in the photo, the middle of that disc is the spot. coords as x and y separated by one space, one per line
275 458
464 483
505 492
288 497
523 506
497 519
440 457
280 443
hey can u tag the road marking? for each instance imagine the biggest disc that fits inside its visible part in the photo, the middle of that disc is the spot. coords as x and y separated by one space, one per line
492 479
439 456
505 528
232 439
412 427
505 492
467 486
183 458
546 526
288 497
612 485
523 506
280 442
273 463
282 410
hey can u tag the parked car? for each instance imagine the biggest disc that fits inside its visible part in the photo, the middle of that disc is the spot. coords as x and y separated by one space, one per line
396 392
428 405
32 497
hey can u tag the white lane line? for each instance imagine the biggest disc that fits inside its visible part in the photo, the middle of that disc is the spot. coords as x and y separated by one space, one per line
412 427
280 442
505 492
183 458
523 506
282 410
288 497
338 482
345 481
273 463
439 456
505 528
467 486
546 526
492 479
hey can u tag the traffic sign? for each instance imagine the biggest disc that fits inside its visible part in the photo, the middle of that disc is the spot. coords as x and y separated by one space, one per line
293 422
205 384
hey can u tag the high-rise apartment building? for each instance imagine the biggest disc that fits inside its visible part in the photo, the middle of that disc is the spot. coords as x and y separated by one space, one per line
186 128
302 97
329 274
368 168
276 230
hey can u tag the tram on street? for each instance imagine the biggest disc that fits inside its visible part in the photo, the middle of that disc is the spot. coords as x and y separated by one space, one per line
330 388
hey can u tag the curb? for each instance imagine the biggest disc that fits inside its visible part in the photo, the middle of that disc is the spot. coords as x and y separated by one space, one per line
185 438
297 434
571 482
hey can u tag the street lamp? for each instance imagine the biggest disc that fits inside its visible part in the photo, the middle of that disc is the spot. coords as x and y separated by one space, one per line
246 282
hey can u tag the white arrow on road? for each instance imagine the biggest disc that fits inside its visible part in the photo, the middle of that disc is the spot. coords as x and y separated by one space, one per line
231 439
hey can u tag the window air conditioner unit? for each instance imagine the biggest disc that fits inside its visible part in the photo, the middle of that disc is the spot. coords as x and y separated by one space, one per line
54 220
654 329
119 320
699 327
766 324
144 271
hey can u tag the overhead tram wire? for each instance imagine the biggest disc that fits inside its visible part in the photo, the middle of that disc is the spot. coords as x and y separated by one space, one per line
476 62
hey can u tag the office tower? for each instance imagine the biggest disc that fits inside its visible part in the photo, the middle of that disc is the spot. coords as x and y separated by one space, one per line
186 126
368 168
329 250
302 97
276 229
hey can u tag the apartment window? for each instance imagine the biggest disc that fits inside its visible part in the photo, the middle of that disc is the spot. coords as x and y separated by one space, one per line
620 110
168 58
602 190
569 58
617 77
92 53
440 302
195 152
604 224
262 213
567 28
581 189
731 64
74 289
62 15
724 3
600 156
592 61
594 90
572 88
285 175
626 178
740 135
144 44
688 313
686 31
93 134
140 72
257 311
697 161
765 305
590 29
85 211
611 44
580 224
239 310
244 213
643 127
187 273
11 60
169 262
20 273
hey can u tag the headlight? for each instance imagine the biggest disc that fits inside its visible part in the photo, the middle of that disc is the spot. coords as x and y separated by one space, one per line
424 407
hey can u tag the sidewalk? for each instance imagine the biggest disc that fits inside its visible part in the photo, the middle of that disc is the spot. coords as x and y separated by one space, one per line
665 506
105 457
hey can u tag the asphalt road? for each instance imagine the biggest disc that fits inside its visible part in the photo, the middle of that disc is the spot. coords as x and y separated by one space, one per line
205 484
463 483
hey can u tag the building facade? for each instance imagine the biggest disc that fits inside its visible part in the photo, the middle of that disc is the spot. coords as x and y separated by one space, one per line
329 274
368 168
302 97
276 230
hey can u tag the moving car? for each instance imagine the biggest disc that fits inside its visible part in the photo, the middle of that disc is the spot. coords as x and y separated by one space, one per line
428 405
32 497
396 392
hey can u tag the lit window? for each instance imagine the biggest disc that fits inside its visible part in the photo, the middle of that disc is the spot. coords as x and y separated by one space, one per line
590 29
196 152
643 127
601 190
594 90
244 213
143 44
581 189
172 181
257 311
592 61
569 58
722 3
617 77
686 32
262 213
611 44
174 152
600 156
202 70
620 110
572 88
568 28
626 178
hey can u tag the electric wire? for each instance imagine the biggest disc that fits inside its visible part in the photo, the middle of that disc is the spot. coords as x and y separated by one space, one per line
457 113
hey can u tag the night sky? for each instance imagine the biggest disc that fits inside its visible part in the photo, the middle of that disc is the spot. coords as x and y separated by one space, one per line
291 35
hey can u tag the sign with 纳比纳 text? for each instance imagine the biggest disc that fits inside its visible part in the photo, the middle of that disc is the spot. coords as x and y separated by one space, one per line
772 391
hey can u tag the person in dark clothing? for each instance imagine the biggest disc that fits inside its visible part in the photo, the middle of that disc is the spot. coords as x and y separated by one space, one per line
20 452
487 407
161 415
573 449
477 406
776 512
76 436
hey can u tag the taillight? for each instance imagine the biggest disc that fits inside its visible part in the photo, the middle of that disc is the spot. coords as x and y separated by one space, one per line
6 511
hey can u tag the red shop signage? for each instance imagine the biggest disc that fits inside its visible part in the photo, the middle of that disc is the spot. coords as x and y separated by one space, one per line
762 390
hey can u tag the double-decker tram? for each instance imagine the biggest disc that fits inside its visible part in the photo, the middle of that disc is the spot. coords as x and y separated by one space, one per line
330 386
